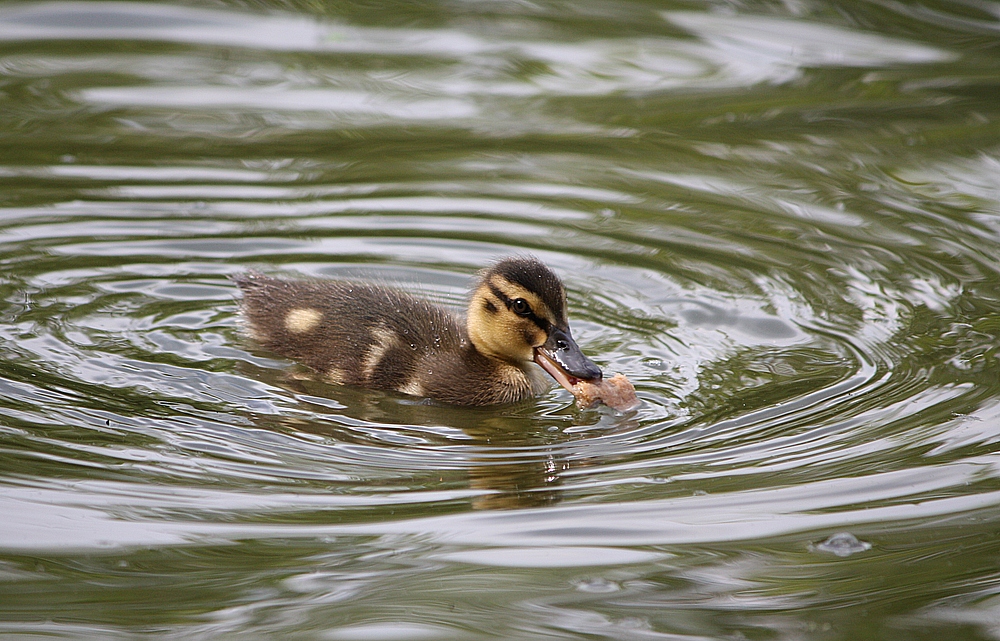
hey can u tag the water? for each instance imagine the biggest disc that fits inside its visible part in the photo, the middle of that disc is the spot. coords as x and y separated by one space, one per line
779 220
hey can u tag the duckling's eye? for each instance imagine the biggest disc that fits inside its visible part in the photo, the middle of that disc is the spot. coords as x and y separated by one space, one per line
520 307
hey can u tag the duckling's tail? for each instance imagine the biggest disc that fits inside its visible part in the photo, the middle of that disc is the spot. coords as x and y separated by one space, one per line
248 280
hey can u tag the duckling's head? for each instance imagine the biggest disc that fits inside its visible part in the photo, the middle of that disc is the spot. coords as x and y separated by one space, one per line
518 314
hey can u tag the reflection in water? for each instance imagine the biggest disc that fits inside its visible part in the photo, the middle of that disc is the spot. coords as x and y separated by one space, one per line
779 222
506 468
146 21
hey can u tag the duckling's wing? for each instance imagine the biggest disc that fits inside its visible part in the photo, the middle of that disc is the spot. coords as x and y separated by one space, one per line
353 333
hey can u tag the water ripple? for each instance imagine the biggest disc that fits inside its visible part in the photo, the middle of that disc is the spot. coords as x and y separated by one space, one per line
779 224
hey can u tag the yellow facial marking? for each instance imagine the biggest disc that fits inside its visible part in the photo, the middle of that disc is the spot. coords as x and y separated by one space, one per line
302 320
497 330
513 291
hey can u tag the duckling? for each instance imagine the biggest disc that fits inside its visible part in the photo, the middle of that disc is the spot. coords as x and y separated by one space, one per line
382 338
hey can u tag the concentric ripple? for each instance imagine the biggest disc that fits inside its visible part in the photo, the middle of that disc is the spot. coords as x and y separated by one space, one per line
781 225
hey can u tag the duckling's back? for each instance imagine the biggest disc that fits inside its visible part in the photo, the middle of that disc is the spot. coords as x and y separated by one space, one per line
355 334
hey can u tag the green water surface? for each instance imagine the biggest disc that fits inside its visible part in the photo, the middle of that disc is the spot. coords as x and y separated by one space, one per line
779 219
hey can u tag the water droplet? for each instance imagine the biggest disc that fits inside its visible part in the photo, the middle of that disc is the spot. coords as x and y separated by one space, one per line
842 544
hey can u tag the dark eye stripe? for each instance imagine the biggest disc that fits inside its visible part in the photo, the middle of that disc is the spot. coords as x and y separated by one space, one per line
541 322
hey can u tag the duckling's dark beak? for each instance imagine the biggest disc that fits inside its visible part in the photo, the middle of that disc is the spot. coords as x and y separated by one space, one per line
561 357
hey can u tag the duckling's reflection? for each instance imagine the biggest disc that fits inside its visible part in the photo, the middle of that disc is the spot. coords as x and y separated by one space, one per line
510 462
510 483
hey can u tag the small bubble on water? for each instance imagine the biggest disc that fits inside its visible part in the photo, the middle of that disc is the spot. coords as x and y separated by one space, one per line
655 363
635 623
842 544
596 585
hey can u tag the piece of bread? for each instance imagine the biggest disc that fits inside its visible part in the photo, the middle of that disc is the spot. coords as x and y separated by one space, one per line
616 392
